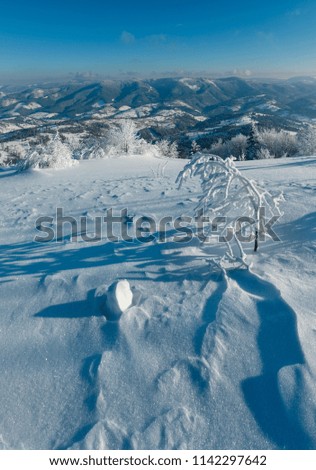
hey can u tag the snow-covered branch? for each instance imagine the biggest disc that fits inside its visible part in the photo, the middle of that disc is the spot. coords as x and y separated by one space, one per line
230 194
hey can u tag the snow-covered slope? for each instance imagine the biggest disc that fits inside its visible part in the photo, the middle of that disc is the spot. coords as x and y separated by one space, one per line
179 354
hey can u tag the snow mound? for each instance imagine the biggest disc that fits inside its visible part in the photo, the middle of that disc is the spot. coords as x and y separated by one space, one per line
180 356
119 298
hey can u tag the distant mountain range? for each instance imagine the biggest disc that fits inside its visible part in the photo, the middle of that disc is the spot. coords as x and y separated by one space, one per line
177 108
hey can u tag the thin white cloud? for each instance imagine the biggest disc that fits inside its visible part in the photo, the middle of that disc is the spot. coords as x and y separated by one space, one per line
242 72
156 38
266 36
127 38
296 12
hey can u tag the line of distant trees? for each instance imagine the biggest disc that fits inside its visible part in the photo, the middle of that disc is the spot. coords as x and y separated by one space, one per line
264 143
61 150
58 150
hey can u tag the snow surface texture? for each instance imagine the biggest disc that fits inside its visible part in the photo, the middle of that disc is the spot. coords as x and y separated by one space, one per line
132 345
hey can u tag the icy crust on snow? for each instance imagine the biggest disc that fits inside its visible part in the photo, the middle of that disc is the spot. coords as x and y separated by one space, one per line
132 345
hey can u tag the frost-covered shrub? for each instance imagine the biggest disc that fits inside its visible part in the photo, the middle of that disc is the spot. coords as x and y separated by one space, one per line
195 147
73 141
307 141
277 144
236 146
164 148
3 159
260 144
11 153
123 139
228 194
219 148
90 149
264 153
55 154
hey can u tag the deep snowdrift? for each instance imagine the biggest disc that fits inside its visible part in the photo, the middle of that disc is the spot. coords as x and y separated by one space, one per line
180 355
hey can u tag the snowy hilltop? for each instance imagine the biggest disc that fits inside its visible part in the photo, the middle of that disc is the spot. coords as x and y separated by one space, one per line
137 336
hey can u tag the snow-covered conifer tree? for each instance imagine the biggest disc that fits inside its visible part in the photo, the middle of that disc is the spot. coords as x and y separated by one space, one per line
307 141
195 147
253 145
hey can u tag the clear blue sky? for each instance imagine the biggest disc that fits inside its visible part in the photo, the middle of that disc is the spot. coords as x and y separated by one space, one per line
271 37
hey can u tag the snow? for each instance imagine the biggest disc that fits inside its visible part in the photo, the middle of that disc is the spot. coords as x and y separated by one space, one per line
200 118
124 108
126 113
146 110
99 104
38 93
32 105
241 121
200 358
8 102
7 126
190 83
55 154
211 82
43 115
269 105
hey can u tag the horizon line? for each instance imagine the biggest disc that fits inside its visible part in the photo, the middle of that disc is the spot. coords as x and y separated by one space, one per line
12 79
